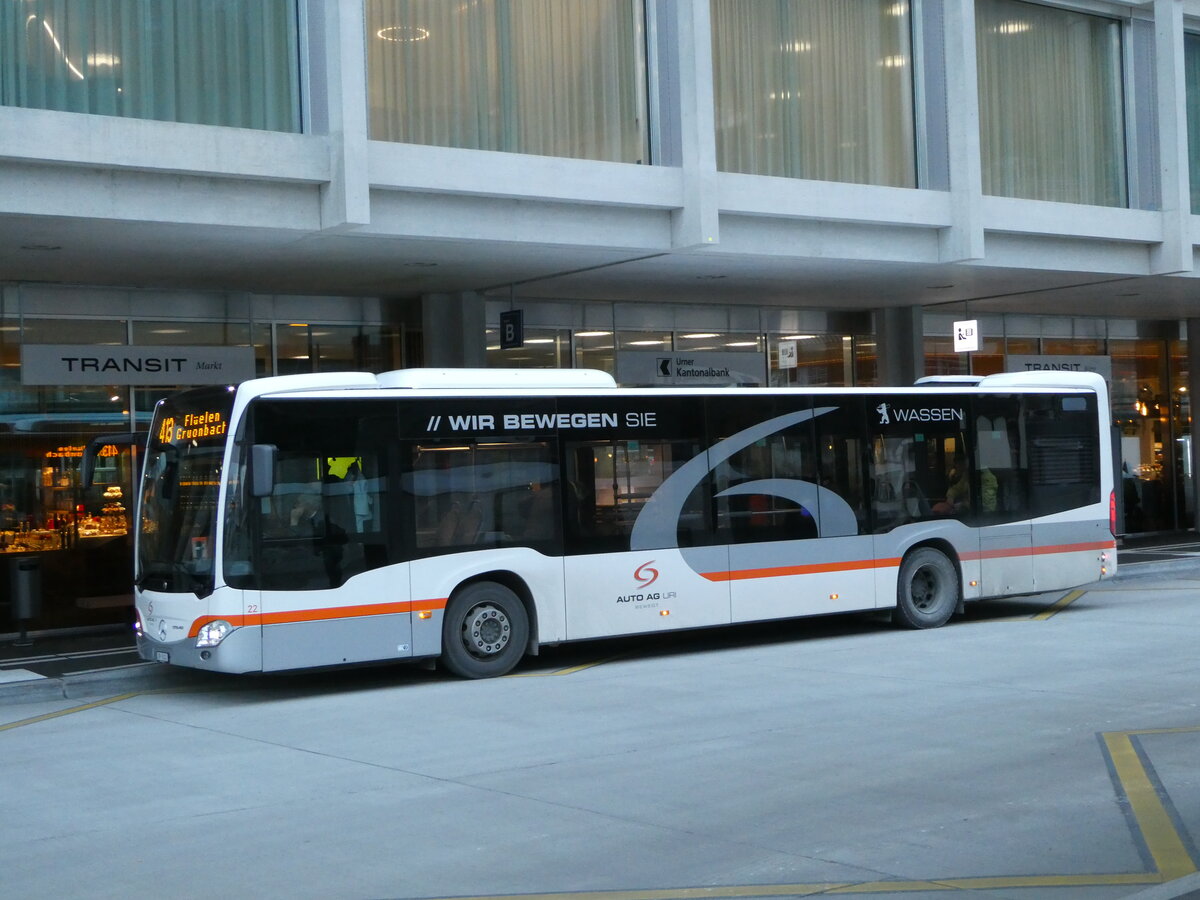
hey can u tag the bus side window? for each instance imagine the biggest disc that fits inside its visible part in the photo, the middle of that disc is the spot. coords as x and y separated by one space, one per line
608 484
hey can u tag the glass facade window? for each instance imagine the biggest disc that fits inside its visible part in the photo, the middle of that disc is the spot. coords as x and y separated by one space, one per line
234 63
818 89
545 348
306 347
1191 62
822 360
525 76
1051 109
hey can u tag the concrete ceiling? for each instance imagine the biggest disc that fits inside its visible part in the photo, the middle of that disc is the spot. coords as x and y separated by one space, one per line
203 257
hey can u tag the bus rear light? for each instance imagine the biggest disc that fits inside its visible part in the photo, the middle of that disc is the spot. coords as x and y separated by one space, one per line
213 633
1112 513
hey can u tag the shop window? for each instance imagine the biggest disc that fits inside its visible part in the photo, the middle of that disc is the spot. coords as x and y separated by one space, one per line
230 63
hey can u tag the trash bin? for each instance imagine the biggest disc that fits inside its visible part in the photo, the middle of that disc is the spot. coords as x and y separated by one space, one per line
25 583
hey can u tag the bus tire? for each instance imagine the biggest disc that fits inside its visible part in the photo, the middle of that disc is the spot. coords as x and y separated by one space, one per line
484 631
927 589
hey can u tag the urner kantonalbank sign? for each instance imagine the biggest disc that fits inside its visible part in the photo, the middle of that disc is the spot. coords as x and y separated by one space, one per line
91 364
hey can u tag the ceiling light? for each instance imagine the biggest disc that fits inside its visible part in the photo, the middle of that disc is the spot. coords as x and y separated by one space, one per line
645 343
798 337
701 334
896 61
168 331
1013 26
796 46
103 60
403 34
741 343
592 333
898 9
539 340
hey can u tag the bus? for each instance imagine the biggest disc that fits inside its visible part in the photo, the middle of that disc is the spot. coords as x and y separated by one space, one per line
474 516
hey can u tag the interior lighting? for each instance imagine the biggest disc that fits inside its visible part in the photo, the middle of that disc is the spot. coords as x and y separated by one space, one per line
798 337
895 61
699 335
403 34
898 9
741 343
645 343
796 46
103 60
1012 26
592 333
539 340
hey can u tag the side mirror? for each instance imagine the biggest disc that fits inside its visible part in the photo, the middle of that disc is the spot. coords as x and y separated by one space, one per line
262 469
87 468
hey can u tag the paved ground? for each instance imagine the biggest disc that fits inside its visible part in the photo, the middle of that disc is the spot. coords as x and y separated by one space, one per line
1046 747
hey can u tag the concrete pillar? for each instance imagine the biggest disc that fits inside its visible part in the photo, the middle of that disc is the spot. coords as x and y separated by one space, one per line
900 345
452 330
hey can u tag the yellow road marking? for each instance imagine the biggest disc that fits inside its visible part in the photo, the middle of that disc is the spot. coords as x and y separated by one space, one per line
66 712
569 670
1163 841
1063 603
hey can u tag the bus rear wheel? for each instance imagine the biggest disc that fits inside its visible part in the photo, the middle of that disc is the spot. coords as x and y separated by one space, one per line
485 631
927 591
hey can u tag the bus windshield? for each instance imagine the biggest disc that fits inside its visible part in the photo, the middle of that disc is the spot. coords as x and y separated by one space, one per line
179 491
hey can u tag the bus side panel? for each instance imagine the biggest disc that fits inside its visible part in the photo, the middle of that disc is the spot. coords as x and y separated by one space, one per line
435 578
802 578
646 590
1069 553
365 619
1006 561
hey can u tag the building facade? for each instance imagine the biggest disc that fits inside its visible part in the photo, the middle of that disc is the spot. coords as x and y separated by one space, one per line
803 191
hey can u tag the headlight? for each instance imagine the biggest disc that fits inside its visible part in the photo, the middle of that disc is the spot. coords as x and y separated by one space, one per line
213 633
137 622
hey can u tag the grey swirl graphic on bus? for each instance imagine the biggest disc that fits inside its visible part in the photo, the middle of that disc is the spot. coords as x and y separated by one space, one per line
657 525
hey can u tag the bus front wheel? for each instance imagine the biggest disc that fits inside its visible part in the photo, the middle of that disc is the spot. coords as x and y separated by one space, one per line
927 590
485 631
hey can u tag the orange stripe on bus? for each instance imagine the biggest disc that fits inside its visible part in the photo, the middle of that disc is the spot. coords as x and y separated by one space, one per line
317 615
816 568
1041 551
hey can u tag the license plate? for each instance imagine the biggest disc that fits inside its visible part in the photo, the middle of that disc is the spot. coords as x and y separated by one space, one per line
162 656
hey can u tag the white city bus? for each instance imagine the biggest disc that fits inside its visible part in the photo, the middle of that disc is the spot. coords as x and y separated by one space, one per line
475 515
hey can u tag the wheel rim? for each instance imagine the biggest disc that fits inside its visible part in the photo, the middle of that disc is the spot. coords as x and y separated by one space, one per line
925 588
486 630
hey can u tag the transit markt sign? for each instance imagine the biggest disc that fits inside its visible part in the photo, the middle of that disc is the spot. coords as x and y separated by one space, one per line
699 368
99 364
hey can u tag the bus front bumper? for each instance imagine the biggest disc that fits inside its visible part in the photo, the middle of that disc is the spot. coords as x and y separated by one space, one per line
240 651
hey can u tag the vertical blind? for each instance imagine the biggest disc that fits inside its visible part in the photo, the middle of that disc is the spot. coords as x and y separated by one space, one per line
210 62
1050 104
818 89
551 77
